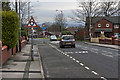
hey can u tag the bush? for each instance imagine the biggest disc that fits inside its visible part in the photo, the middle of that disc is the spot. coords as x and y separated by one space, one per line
66 33
10 27
24 32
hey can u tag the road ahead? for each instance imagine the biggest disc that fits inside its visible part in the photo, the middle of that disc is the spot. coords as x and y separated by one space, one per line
84 61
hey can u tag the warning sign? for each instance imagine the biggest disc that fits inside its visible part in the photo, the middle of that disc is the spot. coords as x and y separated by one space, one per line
31 23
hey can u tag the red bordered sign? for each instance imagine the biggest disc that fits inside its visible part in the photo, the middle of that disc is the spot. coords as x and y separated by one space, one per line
31 23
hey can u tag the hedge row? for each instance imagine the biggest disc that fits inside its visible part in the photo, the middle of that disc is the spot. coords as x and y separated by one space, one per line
10 27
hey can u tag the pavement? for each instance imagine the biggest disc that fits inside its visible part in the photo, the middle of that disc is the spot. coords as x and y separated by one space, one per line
20 65
104 45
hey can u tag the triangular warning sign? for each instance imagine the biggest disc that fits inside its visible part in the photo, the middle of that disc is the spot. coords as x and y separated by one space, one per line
31 23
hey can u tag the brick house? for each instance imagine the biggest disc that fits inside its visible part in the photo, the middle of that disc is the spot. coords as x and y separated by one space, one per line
109 25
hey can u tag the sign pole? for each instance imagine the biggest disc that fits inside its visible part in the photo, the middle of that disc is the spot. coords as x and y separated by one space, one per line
32 50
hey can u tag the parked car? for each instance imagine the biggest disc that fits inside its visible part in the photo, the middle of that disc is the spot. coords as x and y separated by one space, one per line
67 40
53 38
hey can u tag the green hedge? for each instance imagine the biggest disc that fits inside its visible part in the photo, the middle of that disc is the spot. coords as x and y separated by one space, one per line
24 32
66 33
10 27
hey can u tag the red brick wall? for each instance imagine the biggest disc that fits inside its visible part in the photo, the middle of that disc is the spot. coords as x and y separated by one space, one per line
103 24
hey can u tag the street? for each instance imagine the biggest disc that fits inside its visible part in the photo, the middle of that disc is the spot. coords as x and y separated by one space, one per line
85 61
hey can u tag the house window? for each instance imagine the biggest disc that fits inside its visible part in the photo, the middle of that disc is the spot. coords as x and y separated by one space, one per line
107 25
116 26
99 25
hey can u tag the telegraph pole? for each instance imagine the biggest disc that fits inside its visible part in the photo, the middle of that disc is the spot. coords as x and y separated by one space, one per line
19 28
90 19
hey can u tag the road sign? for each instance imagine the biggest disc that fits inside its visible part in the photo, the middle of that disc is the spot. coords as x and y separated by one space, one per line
31 23
43 28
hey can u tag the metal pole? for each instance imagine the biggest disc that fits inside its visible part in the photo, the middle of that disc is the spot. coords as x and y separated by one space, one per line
28 19
19 28
32 50
90 19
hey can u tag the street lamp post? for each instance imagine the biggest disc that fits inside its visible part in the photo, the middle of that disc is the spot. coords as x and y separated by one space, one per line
19 28
90 20
61 13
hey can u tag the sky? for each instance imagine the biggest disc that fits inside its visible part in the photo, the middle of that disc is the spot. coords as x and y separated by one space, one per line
46 11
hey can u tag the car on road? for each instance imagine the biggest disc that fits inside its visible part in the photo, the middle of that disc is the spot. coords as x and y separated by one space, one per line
67 40
53 38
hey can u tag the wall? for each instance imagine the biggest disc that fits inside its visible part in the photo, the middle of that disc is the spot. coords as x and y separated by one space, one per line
6 54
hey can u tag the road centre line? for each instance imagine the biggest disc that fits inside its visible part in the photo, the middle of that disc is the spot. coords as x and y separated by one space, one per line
95 73
103 78
87 68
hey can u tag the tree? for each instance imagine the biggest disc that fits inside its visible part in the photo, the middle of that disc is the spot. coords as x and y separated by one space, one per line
110 8
84 11
6 6
60 21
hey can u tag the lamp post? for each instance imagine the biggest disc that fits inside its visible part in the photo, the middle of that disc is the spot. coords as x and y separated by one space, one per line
61 14
90 20
19 28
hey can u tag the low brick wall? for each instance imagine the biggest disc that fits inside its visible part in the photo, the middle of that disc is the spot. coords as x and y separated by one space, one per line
6 54
117 42
102 41
96 40
14 50
109 41
23 42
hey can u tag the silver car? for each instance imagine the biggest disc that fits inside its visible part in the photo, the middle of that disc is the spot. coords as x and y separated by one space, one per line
53 38
67 40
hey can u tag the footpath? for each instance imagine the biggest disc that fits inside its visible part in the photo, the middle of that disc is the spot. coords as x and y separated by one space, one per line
21 67
104 45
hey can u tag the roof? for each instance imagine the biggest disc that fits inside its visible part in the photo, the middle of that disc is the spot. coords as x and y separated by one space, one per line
112 19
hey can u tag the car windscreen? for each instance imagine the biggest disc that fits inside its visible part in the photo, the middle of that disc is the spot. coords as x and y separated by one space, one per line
67 37
53 36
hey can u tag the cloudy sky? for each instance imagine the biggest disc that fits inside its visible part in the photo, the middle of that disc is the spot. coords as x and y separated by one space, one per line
46 11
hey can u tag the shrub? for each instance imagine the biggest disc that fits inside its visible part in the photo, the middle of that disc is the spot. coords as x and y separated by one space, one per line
66 33
10 26
24 32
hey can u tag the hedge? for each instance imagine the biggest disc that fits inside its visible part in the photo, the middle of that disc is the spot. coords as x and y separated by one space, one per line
10 27
66 33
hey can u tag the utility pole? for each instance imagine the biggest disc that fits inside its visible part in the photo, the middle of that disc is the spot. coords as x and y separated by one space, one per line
16 6
19 28
28 19
90 19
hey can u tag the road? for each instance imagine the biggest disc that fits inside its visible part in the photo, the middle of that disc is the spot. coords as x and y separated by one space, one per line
83 62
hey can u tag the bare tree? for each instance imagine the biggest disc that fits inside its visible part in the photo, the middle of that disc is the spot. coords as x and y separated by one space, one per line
24 10
60 20
110 8
84 11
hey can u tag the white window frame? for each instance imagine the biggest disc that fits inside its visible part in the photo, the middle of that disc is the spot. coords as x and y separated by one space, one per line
107 25
99 25
116 26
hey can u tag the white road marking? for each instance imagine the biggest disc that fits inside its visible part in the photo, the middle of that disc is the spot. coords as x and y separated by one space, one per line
104 51
95 73
77 52
81 64
67 55
107 55
103 78
87 68
94 49
77 61
74 59
70 57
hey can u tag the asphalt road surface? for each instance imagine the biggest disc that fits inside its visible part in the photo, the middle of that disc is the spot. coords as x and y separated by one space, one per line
83 62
